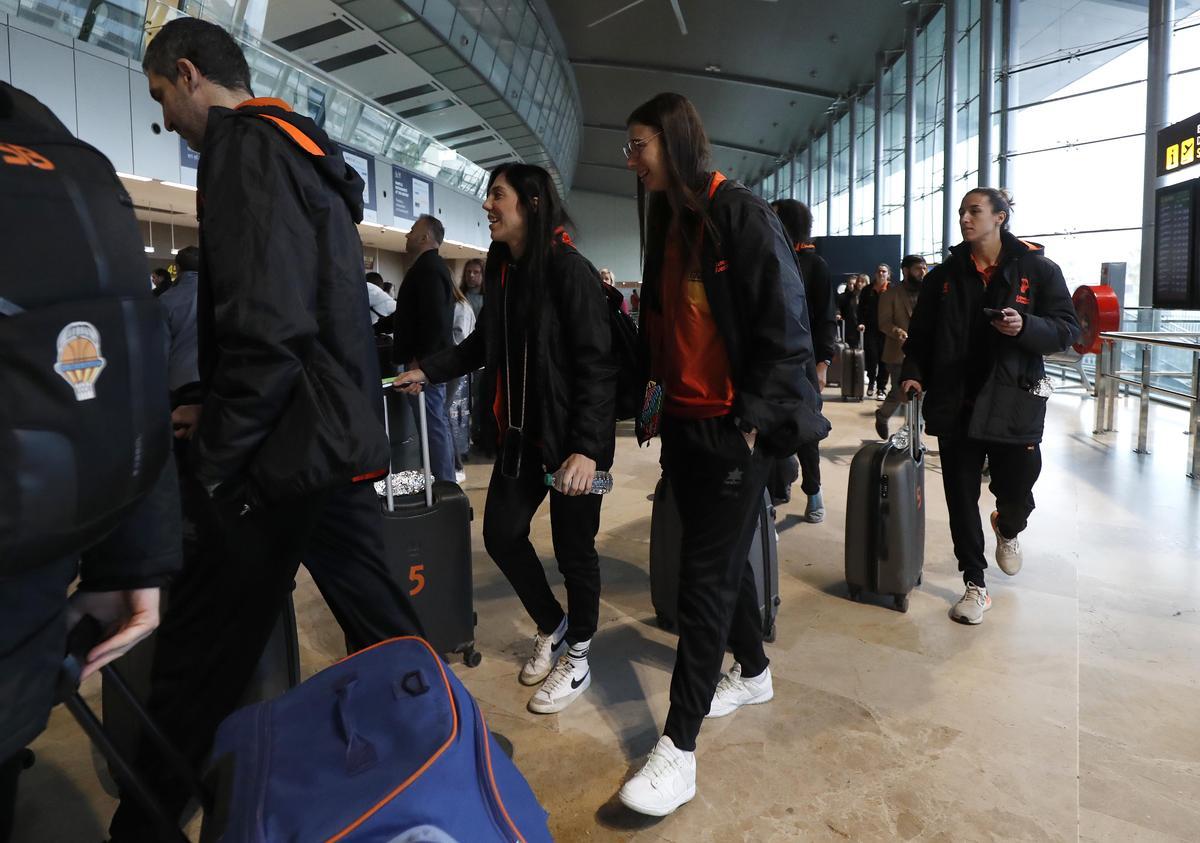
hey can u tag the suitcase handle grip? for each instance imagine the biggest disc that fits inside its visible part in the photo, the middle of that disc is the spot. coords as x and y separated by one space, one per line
912 418
425 463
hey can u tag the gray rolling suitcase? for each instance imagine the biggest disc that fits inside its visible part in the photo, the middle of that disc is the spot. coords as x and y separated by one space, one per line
833 376
666 535
854 371
885 514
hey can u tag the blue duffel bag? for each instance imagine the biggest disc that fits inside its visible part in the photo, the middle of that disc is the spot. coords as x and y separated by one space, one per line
381 744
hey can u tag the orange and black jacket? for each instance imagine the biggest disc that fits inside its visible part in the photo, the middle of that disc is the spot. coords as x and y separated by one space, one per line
752 281
956 355
820 295
281 281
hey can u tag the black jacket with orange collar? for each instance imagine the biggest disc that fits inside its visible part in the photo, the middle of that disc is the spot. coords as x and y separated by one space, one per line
287 357
752 281
937 352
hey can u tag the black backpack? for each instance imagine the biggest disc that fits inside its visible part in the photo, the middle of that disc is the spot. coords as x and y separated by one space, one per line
84 420
631 385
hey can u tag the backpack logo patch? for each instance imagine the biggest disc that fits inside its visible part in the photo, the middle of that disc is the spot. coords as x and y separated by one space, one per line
79 360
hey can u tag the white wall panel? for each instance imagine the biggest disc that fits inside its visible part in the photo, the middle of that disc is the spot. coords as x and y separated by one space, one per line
46 70
462 215
607 232
154 155
102 106
5 75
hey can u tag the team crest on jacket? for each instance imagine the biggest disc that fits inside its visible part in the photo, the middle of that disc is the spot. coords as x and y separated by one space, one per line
79 360
721 266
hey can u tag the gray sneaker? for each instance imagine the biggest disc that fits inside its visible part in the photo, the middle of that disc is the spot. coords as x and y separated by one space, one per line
814 513
1008 551
975 601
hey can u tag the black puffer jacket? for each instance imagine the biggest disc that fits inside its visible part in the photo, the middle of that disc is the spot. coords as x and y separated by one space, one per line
572 360
937 352
757 300
282 309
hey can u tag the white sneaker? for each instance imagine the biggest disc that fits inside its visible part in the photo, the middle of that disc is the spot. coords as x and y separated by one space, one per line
733 691
569 678
666 781
970 608
546 650
460 477
1008 551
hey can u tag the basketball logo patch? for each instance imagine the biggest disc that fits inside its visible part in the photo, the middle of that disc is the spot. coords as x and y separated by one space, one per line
79 361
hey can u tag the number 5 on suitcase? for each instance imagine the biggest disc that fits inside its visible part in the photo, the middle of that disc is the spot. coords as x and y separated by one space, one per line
415 576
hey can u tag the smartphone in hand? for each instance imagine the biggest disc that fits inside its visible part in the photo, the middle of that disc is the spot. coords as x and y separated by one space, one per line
993 314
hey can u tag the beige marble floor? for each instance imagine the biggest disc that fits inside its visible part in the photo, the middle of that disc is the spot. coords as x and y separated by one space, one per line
1070 714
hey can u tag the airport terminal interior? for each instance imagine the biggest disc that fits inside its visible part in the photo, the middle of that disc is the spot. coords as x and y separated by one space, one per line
1069 713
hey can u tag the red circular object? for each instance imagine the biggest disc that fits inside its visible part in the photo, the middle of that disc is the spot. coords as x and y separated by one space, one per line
1098 311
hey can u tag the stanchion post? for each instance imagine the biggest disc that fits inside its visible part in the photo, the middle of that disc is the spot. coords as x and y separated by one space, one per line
1101 387
1110 409
1144 403
1194 420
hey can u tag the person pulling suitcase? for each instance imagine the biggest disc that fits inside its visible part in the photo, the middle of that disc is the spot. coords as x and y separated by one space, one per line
545 340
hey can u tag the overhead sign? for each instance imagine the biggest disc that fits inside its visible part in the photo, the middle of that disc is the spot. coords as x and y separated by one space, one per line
1178 146
412 195
364 165
188 157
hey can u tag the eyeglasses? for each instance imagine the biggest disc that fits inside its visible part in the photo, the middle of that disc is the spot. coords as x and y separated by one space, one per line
634 148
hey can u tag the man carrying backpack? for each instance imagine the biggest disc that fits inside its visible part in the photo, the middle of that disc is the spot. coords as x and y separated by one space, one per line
86 489
290 424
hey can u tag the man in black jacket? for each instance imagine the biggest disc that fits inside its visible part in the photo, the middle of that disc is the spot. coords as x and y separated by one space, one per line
120 576
424 326
819 294
868 318
984 320
292 403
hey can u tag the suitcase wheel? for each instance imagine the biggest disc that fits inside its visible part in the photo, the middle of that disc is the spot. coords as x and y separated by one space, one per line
472 657
901 602
855 594
769 635
919 578
664 623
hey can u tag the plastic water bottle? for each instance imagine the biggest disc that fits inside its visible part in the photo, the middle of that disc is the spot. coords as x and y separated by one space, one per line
602 483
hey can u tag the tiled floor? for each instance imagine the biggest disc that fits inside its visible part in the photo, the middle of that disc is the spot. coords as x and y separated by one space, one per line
1070 714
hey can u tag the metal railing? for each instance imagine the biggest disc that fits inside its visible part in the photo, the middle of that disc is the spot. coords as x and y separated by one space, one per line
1110 377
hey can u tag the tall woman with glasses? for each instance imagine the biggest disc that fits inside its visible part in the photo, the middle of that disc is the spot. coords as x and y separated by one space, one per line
546 345
725 332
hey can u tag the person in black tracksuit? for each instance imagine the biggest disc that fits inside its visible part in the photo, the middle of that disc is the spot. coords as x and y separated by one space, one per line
545 344
847 304
725 331
820 295
983 378
284 336
868 318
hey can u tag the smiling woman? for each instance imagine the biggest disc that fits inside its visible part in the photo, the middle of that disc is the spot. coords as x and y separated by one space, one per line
545 343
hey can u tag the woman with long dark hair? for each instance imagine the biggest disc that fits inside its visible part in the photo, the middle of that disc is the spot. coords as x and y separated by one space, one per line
725 331
546 345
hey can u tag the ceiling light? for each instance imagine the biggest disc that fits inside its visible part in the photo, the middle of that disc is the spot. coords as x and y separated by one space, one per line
132 177
191 187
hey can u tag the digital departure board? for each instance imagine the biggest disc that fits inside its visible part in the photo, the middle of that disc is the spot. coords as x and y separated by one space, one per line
1175 247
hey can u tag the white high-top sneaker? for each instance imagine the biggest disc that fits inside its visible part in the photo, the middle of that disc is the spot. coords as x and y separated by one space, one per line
569 678
666 781
546 650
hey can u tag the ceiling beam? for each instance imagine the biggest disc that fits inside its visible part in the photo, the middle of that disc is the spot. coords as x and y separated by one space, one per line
736 147
605 166
712 76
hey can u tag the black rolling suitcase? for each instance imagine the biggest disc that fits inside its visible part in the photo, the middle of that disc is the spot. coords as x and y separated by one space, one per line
666 534
278 671
427 536
885 514
833 376
854 371
86 634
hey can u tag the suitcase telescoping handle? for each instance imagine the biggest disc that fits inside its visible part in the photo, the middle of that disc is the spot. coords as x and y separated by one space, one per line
841 330
425 465
912 418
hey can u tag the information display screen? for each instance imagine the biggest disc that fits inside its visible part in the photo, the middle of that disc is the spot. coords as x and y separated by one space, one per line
1175 247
